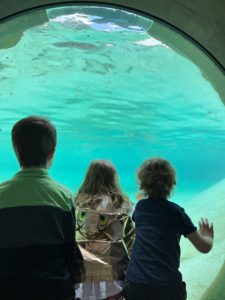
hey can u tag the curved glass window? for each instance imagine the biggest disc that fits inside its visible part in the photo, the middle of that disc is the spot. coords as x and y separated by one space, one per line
116 92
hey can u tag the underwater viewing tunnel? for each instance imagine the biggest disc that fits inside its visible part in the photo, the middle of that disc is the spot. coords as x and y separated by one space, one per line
145 75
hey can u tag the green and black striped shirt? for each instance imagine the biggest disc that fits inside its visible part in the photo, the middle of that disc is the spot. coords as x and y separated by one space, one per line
37 238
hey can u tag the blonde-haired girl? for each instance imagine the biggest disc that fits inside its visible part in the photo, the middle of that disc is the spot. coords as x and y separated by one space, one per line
104 233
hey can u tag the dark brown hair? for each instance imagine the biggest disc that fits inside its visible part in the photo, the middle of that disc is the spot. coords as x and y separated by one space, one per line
156 178
34 139
101 179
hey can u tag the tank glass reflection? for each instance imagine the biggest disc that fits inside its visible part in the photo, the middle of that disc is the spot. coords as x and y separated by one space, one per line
115 92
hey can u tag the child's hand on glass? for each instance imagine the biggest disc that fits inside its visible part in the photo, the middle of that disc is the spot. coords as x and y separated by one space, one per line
205 228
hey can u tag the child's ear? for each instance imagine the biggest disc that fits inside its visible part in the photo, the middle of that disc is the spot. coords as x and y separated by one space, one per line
50 159
51 155
16 151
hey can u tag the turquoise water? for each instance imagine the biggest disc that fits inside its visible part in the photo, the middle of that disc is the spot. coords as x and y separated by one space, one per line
113 92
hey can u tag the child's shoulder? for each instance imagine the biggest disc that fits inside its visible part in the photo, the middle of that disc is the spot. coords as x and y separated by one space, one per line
176 209
164 203
175 206
5 185
10 185
57 186
45 192
62 193
102 203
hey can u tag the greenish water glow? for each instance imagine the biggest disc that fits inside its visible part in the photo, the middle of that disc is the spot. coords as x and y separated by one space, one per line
113 92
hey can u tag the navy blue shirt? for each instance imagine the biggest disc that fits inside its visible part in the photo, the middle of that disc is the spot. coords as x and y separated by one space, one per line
155 257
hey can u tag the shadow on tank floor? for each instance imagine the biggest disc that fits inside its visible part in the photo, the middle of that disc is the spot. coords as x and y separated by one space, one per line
216 291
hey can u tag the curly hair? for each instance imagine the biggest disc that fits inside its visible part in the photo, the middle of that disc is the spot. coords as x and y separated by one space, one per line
156 178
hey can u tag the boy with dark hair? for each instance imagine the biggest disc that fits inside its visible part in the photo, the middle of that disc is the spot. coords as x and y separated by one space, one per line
153 272
34 141
37 221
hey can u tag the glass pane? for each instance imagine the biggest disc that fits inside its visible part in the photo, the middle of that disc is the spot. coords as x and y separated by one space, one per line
115 92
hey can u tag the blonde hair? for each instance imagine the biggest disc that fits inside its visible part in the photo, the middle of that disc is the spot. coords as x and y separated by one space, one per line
156 178
101 179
